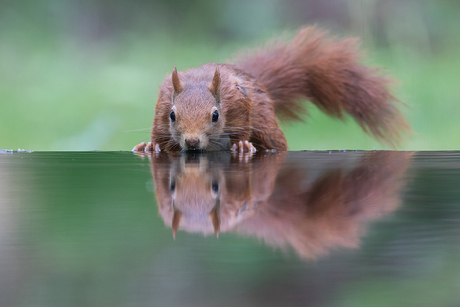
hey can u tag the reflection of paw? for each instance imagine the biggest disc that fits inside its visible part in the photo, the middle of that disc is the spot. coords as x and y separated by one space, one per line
142 147
243 147
243 156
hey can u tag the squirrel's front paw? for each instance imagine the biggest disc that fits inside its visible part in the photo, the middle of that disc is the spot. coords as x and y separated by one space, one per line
139 147
243 147
142 147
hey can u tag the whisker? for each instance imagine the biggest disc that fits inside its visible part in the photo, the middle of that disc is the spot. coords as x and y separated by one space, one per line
138 130
215 144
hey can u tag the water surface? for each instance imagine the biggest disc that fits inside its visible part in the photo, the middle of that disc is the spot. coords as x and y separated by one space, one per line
277 229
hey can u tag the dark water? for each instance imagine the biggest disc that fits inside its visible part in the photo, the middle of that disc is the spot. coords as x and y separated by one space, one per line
295 229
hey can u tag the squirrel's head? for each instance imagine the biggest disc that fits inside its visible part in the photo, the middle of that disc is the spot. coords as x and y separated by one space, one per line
195 118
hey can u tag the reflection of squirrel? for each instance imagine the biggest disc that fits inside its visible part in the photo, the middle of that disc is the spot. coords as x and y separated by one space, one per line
218 105
312 204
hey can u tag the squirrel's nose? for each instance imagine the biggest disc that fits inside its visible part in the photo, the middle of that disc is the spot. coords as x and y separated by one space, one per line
192 143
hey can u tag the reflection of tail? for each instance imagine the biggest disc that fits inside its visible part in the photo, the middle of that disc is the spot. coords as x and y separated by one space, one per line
327 72
334 210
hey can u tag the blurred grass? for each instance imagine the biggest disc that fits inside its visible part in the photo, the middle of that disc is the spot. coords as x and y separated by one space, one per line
61 92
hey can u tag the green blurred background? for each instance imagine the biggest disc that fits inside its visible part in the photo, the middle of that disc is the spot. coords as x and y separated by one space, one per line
84 75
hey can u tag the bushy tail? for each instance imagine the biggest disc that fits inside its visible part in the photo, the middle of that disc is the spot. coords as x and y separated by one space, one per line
327 72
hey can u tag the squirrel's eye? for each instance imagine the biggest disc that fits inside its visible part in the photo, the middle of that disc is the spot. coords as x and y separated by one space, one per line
215 187
172 115
215 116
172 187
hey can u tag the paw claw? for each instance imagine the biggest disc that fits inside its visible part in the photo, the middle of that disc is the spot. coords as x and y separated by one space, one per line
146 148
139 147
244 149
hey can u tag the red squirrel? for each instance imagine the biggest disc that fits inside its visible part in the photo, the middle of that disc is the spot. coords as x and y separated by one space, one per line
225 106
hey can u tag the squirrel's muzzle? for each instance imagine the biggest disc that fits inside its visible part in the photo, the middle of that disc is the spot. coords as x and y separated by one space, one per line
192 143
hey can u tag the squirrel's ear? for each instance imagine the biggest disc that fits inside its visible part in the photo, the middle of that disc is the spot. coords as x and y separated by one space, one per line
175 222
214 215
215 85
175 81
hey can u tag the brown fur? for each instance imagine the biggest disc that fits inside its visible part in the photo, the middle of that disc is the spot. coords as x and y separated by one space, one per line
272 81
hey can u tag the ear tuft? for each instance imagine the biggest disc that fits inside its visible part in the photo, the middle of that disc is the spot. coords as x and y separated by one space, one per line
175 222
215 218
215 85
175 81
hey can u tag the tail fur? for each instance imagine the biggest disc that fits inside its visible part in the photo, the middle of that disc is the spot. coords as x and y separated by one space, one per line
327 72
